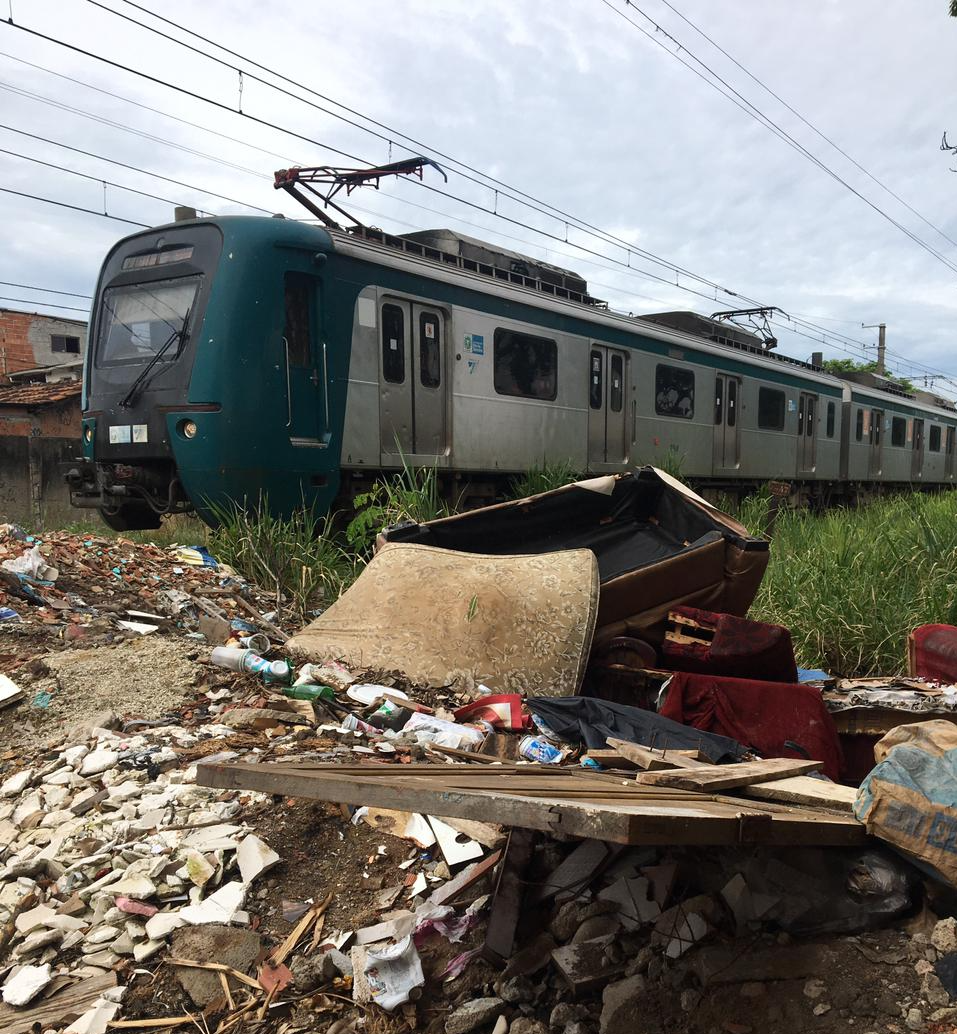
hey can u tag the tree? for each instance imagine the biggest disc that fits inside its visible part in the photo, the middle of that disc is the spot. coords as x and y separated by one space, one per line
839 366
953 8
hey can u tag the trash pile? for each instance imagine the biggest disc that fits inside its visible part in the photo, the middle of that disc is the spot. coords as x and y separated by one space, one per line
568 810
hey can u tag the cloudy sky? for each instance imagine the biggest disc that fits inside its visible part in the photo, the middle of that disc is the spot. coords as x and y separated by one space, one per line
566 101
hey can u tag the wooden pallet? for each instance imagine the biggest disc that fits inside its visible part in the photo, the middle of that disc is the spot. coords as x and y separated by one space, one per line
571 801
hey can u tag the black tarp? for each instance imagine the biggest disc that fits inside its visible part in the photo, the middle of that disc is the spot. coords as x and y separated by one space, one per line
591 721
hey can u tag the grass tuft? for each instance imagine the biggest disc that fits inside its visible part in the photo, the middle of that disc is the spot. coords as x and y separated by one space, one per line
543 478
297 559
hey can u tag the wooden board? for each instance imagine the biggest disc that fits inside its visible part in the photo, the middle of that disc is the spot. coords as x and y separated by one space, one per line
577 803
805 790
60 1008
652 760
728 777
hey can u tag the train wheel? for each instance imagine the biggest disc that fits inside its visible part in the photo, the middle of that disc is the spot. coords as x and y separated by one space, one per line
132 517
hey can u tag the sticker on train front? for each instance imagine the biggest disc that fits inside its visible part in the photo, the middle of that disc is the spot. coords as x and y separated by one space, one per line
120 434
141 433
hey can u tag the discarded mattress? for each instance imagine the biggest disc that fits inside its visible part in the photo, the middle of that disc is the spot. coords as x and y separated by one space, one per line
766 716
591 722
445 618
909 799
657 543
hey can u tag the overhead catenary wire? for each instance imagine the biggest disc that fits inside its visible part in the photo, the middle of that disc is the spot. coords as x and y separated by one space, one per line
814 129
48 305
44 290
75 208
827 336
739 100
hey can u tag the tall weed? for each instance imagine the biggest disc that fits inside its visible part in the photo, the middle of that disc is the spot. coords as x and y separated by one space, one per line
296 558
851 584
544 478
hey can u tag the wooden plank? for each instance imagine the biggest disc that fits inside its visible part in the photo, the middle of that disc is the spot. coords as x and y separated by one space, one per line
727 777
615 759
60 1008
649 759
805 790
506 909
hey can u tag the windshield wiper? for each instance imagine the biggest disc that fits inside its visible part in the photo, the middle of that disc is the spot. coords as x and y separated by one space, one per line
177 335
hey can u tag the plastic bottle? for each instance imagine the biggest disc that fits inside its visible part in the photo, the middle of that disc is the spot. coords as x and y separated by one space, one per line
309 692
536 748
247 661
258 643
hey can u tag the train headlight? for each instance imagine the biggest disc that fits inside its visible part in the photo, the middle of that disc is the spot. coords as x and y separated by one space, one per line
88 435
189 429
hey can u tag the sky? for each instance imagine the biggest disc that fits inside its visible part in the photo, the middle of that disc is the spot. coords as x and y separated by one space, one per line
567 103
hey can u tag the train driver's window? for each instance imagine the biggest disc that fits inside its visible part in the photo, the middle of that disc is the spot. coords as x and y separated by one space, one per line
770 409
525 366
393 344
674 392
899 431
830 419
297 330
933 442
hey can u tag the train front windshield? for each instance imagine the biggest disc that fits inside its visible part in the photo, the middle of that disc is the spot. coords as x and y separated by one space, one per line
140 321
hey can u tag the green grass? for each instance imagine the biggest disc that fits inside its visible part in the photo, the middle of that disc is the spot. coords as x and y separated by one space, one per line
851 584
543 478
297 559
178 530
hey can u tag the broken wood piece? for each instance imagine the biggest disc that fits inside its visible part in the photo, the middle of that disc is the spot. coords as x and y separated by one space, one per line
485 833
277 632
217 967
819 793
507 898
726 777
465 879
224 984
61 1007
648 759
157 1024
280 955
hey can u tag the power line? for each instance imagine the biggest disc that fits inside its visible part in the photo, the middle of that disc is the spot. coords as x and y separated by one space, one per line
810 125
75 208
124 165
49 305
292 133
754 112
45 290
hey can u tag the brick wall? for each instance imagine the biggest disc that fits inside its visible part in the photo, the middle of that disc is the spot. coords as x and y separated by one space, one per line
26 340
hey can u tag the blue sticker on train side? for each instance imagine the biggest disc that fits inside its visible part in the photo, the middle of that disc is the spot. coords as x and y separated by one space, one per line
478 344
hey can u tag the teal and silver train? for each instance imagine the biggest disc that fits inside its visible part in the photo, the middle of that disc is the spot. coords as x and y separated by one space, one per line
252 359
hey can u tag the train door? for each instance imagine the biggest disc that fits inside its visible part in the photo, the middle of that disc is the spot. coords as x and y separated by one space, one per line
412 379
307 418
807 432
727 436
917 450
874 460
949 437
607 433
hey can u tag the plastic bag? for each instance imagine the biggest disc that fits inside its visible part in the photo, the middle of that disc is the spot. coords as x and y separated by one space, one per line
32 565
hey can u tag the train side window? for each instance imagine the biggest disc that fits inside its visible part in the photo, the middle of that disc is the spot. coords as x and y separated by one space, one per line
674 392
830 419
393 344
899 431
732 415
933 441
616 393
949 446
525 366
770 409
430 363
595 386
859 426
297 330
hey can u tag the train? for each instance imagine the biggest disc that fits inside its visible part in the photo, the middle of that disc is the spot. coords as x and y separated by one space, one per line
272 362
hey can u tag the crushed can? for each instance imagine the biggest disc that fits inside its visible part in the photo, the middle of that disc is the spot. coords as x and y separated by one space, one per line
537 748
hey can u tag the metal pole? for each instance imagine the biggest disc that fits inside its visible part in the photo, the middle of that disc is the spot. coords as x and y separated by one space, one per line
881 348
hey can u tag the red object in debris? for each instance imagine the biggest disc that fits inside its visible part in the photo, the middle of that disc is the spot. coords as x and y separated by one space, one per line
135 908
761 715
501 711
278 977
933 653
737 647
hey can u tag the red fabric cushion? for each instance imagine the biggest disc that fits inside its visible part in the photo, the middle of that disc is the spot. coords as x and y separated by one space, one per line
934 653
761 715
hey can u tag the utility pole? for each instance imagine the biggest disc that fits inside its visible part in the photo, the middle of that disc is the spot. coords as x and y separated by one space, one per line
881 344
